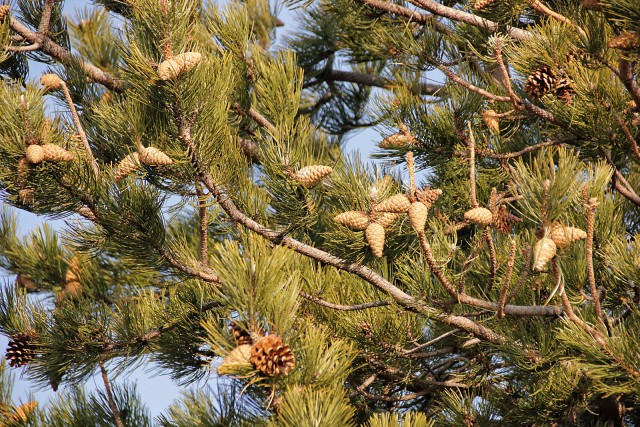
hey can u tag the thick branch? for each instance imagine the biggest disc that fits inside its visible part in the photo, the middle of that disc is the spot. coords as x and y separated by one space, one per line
377 81
628 80
65 57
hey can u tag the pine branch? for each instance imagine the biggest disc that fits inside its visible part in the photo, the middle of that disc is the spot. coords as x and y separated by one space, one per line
378 81
62 55
45 20
112 404
340 307
626 70
79 128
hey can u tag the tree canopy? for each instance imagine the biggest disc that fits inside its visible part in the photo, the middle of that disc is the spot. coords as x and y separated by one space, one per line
482 272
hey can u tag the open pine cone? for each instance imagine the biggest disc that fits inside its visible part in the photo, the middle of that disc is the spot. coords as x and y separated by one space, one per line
20 350
272 357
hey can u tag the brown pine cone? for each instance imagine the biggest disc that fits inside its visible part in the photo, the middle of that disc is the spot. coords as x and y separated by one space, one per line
272 357
240 334
540 82
20 350
504 221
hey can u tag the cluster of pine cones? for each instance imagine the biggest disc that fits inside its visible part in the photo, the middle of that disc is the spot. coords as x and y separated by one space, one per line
544 80
267 353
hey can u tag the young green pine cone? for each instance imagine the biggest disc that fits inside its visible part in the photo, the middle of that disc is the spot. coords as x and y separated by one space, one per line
237 361
152 156
34 154
385 219
418 213
543 252
55 153
272 357
396 141
565 236
51 81
398 203
375 237
355 220
172 68
309 176
126 167
480 216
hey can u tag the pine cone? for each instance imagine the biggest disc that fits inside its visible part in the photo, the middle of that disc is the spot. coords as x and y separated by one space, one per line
152 156
490 118
26 196
237 361
592 4
355 220
564 90
625 41
171 68
428 196
19 415
51 81
541 81
385 219
87 213
71 289
309 176
34 154
73 270
398 203
55 153
503 221
481 4
240 335
418 213
543 252
126 167
375 237
20 350
25 282
480 216
4 11
565 236
272 357
397 141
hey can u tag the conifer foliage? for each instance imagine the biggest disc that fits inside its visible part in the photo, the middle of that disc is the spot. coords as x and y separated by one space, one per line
485 271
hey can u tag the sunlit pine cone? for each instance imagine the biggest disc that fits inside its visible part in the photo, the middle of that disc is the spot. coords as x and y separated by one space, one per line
418 213
73 270
25 282
564 236
543 252
398 141
26 196
310 176
151 156
385 219
375 238
592 4
240 335
20 415
480 216
20 349
55 153
126 167
34 154
51 81
354 220
491 120
481 4
172 68
626 41
428 196
272 357
4 11
540 82
564 90
238 360
398 203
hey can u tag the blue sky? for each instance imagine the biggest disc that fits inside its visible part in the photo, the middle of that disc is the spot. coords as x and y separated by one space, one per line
158 392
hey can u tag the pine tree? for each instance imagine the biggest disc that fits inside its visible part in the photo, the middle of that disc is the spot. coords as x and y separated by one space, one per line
482 273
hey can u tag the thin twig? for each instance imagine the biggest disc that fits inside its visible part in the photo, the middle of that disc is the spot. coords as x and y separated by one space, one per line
591 209
542 8
507 279
471 143
620 183
627 134
529 149
204 226
79 129
112 403
507 80
340 307
208 276
462 82
493 260
431 261
431 342
525 273
259 119
378 81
